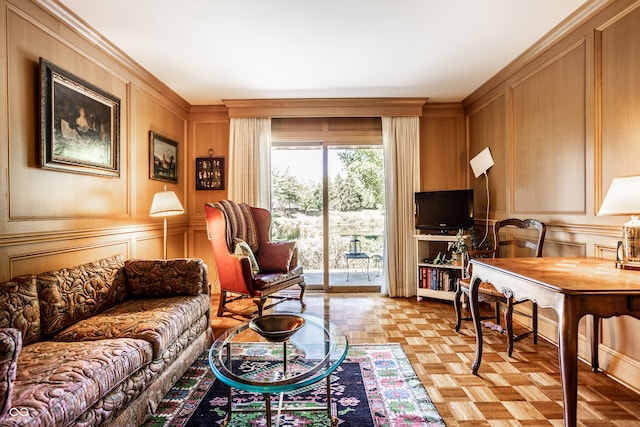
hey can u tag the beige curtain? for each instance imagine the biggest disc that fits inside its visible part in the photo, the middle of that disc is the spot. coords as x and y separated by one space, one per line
249 161
401 142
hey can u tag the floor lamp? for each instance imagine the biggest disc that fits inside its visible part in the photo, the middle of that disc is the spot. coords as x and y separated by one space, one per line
165 203
480 165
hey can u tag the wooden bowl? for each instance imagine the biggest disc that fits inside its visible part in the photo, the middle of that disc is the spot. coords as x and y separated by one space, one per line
276 327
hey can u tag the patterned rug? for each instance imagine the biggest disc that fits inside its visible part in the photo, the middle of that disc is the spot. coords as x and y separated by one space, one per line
375 386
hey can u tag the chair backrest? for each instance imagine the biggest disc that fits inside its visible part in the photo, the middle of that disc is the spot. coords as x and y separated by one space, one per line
519 237
240 223
233 274
481 253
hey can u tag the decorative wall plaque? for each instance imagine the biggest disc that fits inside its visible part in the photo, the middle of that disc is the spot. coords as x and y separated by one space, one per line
210 173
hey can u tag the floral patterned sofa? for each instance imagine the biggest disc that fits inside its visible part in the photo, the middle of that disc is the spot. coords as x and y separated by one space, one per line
100 343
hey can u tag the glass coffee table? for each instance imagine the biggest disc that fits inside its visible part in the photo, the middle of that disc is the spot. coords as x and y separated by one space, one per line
245 360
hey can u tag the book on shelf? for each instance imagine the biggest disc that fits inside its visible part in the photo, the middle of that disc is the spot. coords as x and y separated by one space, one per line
437 279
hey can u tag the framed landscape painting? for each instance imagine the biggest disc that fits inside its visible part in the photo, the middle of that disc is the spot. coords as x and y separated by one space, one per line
163 158
79 124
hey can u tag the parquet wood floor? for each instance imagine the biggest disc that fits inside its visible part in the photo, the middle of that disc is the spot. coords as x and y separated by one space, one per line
524 390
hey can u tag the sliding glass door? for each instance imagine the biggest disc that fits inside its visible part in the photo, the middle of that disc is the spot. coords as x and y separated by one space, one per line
330 199
297 205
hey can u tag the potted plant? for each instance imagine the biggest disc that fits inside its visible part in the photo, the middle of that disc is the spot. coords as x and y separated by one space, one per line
458 247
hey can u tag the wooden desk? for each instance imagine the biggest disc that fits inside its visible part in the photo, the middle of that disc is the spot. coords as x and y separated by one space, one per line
572 287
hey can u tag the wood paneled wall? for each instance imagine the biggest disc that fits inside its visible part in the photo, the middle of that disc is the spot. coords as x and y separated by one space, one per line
208 133
52 219
561 124
443 150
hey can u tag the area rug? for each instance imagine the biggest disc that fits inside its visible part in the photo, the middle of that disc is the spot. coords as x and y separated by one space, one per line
375 386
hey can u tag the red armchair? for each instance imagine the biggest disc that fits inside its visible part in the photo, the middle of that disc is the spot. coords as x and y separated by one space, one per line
231 225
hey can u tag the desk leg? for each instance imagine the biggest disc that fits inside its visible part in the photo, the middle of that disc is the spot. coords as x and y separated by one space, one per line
595 340
568 351
475 314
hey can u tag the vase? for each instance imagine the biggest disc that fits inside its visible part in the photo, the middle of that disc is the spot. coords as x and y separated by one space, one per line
456 259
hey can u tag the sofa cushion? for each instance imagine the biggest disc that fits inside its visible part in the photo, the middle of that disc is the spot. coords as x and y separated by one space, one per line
57 381
158 321
267 281
10 346
160 279
19 307
72 294
275 257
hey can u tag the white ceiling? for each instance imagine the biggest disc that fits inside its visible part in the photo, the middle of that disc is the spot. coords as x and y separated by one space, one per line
209 50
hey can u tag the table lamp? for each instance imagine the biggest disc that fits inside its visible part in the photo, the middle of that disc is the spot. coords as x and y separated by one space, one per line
623 198
165 203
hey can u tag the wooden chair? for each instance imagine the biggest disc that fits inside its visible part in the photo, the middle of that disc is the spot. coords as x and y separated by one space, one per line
521 238
277 261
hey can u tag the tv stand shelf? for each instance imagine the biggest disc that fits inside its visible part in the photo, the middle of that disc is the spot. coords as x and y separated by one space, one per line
437 281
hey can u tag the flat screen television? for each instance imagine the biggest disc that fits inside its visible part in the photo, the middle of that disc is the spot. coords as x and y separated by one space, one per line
441 211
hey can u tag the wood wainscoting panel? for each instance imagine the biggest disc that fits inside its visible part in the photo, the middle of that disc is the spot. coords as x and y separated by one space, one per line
177 241
614 330
154 114
150 246
442 147
572 126
40 260
561 248
201 248
548 108
606 252
619 44
486 127
208 130
36 195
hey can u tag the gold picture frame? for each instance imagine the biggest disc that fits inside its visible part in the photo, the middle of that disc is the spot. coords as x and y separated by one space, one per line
79 124
163 158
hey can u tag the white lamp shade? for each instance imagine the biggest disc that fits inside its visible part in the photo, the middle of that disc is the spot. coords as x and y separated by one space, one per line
165 203
623 197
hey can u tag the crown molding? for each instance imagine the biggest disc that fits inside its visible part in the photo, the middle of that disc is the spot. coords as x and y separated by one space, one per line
325 107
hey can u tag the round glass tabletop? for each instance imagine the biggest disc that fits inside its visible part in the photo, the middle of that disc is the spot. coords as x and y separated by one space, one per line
243 359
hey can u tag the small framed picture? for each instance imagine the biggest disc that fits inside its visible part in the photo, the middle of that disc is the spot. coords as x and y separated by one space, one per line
79 124
163 157
210 173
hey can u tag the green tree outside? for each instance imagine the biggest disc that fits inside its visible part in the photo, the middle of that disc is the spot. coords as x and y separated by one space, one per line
356 208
